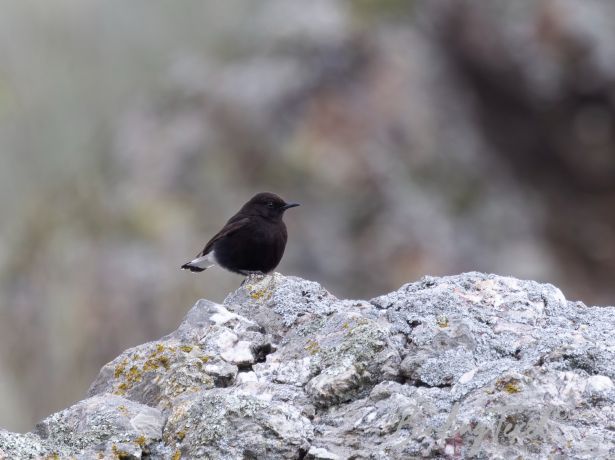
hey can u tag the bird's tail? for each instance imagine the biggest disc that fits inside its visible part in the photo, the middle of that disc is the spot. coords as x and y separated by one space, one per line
193 268
199 264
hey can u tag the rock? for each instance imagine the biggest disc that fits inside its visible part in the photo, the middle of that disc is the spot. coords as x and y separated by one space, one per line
465 366
277 302
318 453
103 419
598 386
225 424
107 425
206 351
29 445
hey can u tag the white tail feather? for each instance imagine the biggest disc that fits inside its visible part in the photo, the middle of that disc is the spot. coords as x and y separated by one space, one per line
205 261
201 263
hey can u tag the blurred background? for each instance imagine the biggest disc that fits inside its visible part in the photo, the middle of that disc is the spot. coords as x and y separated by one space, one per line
421 137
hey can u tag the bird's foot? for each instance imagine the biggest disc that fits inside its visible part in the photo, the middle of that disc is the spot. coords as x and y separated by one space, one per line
249 274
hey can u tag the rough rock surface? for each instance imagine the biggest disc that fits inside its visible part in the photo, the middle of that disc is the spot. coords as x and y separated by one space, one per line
467 366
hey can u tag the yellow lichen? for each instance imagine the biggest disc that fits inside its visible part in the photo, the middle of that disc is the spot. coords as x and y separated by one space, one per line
123 409
177 455
121 389
150 365
186 348
120 368
312 347
141 441
442 321
205 359
345 326
134 375
118 453
510 386
181 435
154 360
164 361
259 294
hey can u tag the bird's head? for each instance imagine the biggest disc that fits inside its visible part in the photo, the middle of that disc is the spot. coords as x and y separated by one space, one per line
268 205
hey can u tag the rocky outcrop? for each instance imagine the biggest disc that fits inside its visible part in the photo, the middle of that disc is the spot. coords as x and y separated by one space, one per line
467 366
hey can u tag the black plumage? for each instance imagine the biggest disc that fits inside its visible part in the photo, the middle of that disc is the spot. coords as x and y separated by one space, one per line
252 241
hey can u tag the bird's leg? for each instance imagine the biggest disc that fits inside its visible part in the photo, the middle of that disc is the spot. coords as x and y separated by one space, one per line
249 273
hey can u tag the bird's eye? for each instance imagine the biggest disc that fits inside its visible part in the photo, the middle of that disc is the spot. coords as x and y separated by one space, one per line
270 204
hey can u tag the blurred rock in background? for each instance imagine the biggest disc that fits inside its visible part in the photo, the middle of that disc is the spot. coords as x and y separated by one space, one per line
422 137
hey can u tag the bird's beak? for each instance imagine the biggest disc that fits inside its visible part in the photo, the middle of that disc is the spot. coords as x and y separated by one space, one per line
289 205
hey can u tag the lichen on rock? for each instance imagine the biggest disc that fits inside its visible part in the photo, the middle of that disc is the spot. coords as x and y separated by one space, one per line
471 365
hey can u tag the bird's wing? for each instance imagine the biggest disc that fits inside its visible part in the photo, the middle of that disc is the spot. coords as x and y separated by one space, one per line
229 228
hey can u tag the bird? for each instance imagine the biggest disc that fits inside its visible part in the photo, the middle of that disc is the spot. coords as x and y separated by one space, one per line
251 242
